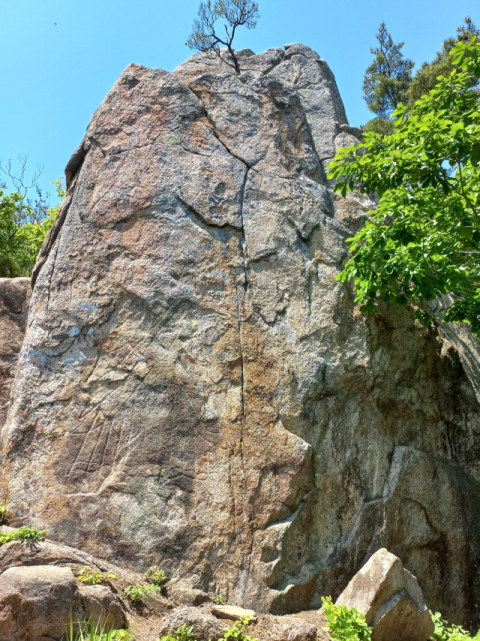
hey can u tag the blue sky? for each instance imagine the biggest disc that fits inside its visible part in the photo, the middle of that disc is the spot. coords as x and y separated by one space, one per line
54 77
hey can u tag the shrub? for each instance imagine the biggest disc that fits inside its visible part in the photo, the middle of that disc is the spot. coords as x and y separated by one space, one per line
345 624
237 631
183 633
94 577
155 575
24 533
446 632
137 592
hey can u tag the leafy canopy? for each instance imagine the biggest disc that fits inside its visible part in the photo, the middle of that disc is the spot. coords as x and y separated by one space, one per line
426 76
388 78
23 227
233 13
423 240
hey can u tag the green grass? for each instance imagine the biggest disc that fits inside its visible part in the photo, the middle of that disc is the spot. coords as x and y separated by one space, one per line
88 631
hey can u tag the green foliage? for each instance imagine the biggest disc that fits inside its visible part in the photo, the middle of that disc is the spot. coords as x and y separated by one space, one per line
238 631
382 126
445 632
234 14
345 624
22 231
137 592
423 241
23 533
87 631
183 633
94 577
388 78
218 599
155 575
427 75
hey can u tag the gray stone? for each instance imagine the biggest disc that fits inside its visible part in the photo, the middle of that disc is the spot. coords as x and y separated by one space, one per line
197 391
205 626
390 598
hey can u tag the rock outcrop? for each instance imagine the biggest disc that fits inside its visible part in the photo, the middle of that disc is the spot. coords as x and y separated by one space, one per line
14 299
196 390
390 598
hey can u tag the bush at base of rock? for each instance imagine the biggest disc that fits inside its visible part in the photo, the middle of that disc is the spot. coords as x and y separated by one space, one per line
345 624
446 632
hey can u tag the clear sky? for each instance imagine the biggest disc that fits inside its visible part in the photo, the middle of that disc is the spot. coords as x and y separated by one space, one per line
59 58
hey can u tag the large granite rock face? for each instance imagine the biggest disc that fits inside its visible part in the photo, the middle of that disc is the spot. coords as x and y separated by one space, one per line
196 390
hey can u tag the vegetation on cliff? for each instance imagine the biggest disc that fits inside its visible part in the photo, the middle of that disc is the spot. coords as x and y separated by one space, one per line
24 223
423 240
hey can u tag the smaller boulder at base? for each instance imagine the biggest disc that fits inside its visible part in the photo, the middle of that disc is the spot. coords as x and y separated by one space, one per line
233 613
390 598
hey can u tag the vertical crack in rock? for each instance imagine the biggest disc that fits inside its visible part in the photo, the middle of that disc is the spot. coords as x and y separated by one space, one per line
240 307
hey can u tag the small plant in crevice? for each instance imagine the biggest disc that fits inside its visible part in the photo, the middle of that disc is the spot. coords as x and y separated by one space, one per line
94 577
238 631
3 513
345 624
218 599
136 592
183 633
155 575
23 533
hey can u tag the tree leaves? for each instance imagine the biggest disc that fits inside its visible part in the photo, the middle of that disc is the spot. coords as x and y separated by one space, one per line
423 241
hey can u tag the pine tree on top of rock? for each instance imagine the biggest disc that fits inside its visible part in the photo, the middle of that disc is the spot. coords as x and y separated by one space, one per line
234 13
388 78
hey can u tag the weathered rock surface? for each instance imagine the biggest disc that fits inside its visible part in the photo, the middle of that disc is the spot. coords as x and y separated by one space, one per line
14 299
36 602
205 625
390 598
197 391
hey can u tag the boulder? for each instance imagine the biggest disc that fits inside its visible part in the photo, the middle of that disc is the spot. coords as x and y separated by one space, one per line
205 626
285 628
101 604
31 553
232 612
37 602
197 391
390 598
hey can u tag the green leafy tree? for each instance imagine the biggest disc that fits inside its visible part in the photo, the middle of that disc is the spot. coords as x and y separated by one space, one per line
423 240
426 77
23 227
233 14
388 78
